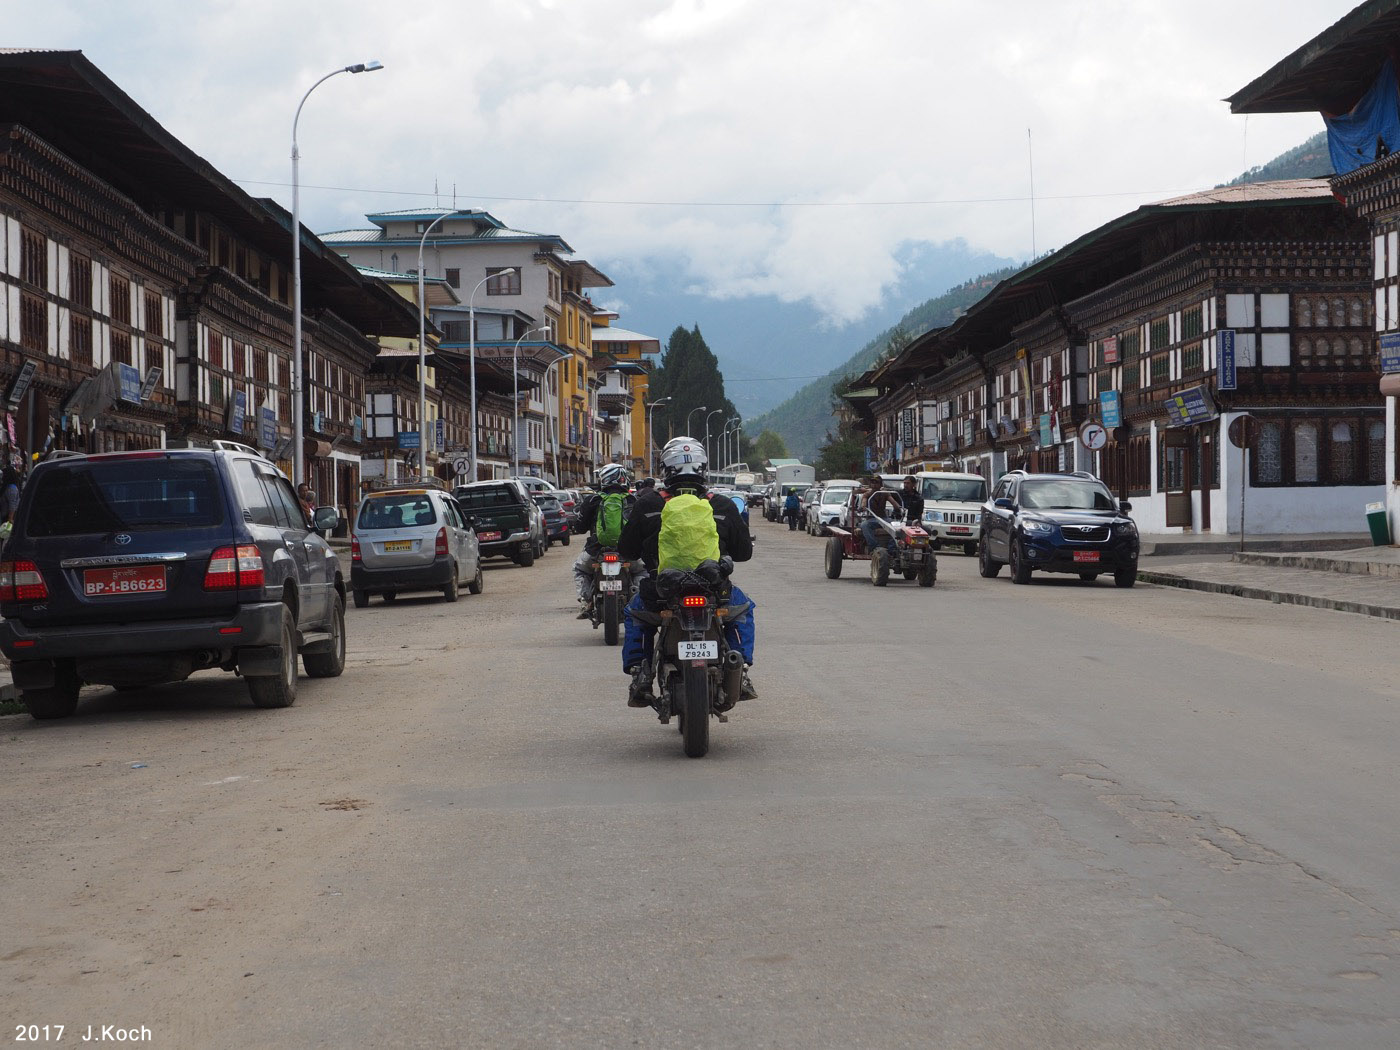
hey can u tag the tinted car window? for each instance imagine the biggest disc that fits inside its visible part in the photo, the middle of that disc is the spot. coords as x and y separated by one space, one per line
99 496
289 510
396 512
252 494
486 496
1065 495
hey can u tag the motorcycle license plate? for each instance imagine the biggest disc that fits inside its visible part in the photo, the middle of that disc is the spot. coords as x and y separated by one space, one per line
609 585
1086 555
488 535
144 579
612 568
708 650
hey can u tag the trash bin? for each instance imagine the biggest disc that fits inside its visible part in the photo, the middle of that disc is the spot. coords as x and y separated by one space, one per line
1380 527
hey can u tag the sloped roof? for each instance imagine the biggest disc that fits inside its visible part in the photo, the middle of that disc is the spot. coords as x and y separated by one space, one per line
611 334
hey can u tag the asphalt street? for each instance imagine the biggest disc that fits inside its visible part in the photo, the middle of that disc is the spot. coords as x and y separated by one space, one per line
981 815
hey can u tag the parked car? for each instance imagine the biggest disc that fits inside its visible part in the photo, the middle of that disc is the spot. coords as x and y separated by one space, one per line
412 539
828 505
533 484
507 521
953 508
1057 523
570 501
556 522
135 568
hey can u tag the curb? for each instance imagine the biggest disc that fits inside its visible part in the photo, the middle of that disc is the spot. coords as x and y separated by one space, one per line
1166 579
1348 566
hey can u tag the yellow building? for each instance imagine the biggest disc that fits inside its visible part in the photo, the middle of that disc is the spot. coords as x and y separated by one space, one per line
621 361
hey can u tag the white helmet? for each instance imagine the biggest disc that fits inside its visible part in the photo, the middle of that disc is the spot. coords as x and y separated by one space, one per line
612 475
683 456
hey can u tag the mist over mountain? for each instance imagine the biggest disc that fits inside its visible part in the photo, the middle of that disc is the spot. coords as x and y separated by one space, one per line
769 349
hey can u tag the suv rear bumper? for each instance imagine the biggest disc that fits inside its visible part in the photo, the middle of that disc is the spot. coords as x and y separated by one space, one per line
402 578
257 623
505 547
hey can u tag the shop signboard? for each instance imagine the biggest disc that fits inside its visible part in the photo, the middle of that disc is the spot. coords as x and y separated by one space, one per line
1390 352
440 433
1110 350
1189 407
267 427
1046 438
128 383
22 381
149 386
409 439
1228 377
238 411
1109 409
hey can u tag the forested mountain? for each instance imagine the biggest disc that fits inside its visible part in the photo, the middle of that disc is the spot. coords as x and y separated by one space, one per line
804 419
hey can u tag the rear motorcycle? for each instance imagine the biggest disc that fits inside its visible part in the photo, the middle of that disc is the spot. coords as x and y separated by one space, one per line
612 589
696 673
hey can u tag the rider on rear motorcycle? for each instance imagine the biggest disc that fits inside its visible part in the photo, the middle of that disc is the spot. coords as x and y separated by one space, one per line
683 464
611 481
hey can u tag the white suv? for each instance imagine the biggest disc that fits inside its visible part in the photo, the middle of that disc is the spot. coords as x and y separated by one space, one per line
953 508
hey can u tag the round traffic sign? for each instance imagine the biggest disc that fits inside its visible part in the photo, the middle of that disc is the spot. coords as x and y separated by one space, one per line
1093 436
460 466
1242 430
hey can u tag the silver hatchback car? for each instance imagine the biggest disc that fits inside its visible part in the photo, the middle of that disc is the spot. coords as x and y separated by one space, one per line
412 539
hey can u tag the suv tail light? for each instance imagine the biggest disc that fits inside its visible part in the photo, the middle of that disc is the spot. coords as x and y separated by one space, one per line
233 567
21 581
440 544
354 547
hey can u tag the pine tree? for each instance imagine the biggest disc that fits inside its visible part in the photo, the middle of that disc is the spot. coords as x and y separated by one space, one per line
689 375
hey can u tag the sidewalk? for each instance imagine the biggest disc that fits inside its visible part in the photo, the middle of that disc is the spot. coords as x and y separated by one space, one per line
1206 543
1362 580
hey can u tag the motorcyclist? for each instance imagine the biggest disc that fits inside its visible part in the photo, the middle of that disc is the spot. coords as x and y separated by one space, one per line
683 463
611 481
792 507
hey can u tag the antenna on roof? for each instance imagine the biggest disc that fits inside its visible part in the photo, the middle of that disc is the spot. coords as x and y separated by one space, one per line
454 196
437 200
1030 150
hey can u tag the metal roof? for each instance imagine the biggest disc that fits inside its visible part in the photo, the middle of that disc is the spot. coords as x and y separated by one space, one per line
495 231
1331 71
609 334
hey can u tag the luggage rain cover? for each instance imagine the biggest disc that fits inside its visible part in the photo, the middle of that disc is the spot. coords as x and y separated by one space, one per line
688 534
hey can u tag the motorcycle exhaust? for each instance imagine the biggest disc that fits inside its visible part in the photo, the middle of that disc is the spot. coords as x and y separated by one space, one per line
733 675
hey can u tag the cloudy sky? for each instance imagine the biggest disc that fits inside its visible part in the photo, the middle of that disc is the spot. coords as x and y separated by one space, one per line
785 148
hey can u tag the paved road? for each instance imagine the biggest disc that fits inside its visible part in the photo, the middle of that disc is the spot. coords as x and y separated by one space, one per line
975 816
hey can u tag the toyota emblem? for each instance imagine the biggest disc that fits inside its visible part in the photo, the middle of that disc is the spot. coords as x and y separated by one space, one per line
122 539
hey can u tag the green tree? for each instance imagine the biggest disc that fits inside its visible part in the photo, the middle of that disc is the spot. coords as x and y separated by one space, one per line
689 375
842 455
767 446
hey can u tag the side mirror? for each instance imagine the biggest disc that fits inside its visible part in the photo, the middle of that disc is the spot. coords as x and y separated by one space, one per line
470 520
1125 506
326 518
1004 503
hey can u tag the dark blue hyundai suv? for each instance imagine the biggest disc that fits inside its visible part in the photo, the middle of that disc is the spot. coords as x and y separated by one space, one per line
135 568
1057 523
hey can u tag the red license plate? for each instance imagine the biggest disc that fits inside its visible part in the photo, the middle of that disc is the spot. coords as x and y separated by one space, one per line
488 535
138 579
959 528
1086 555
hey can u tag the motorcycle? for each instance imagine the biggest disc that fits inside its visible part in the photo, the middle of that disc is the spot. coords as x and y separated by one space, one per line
696 673
612 589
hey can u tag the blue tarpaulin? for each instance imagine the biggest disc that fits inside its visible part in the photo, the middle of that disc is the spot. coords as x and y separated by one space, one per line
1371 130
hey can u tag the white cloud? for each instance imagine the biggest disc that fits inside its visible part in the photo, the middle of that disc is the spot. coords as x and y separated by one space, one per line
766 102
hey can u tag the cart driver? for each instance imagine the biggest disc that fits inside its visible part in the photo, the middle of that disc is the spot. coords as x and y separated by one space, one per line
877 500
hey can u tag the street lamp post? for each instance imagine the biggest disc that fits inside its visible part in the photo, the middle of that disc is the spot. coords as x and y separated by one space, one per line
423 353
697 408
471 337
298 453
738 422
651 437
515 404
708 414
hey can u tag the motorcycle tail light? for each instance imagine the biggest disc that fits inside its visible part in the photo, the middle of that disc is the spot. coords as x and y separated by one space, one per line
693 601
611 557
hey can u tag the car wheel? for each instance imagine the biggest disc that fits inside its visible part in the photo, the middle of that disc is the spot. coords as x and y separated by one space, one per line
330 664
527 555
970 549
565 541
1125 577
59 701
451 591
361 599
1020 571
478 582
987 566
280 689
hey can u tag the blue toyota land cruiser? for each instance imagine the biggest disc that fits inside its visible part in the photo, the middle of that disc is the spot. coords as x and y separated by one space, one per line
135 568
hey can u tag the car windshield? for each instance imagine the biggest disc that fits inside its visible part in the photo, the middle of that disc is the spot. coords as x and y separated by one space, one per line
485 496
834 496
101 496
548 503
396 512
1065 494
957 490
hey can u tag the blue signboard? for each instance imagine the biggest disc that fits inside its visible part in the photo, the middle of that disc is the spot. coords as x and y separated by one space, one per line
1189 406
1046 438
410 439
239 412
1109 410
359 429
1390 352
1227 359
267 430
440 434
129 383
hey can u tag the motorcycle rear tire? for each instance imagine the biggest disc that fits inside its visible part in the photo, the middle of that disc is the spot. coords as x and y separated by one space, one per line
611 615
695 731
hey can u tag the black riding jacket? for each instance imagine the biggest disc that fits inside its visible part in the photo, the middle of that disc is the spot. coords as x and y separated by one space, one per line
642 528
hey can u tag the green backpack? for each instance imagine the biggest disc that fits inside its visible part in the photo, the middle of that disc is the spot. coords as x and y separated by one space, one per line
688 533
607 529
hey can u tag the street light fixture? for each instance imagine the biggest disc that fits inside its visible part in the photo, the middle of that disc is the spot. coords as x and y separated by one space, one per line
423 353
651 437
471 335
298 453
710 413
697 408
515 403
738 422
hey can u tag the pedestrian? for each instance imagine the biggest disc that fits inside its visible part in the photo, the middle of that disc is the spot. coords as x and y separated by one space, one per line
9 494
308 498
792 506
